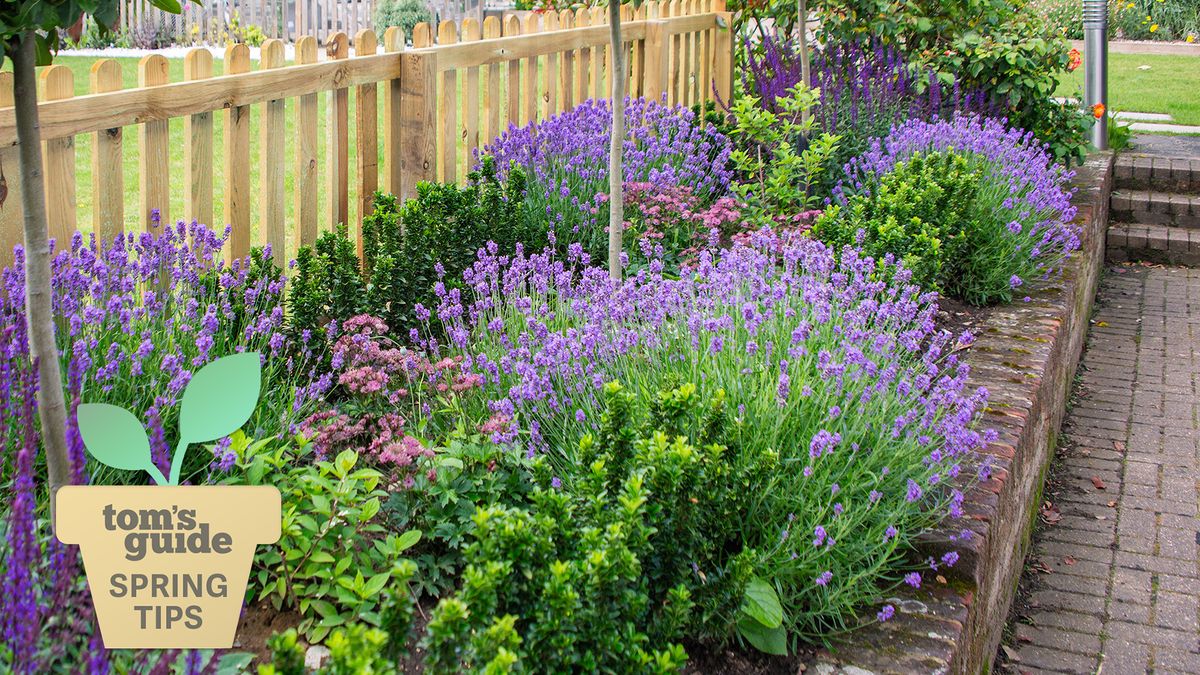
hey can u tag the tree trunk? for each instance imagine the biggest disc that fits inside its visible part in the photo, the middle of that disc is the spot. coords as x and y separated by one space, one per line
52 410
805 68
616 173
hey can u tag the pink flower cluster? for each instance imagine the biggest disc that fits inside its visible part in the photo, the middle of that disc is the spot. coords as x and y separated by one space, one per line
387 387
673 218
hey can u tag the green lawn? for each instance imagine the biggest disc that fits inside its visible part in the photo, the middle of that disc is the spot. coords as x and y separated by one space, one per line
1171 85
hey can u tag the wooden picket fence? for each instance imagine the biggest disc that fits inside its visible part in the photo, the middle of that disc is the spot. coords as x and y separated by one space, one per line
419 114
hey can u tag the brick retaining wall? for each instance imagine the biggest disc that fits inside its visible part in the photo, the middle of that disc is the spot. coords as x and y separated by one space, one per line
1026 358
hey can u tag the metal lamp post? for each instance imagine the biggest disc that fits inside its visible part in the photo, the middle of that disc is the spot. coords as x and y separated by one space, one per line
1095 50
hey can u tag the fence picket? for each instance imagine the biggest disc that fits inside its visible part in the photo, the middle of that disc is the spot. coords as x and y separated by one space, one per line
550 77
338 153
393 41
59 83
492 98
197 146
11 220
237 159
470 129
529 84
512 26
154 139
448 105
271 151
418 118
583 75
108 181
366 133
566 81
306 180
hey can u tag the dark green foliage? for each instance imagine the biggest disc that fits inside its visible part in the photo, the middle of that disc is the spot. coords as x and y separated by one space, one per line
468 473
328 285
918 213
402 13
402 247
607 569
355 649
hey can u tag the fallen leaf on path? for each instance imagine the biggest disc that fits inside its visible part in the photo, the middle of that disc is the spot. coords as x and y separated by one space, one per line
1112 504
1119 446
1010 653
1068 560
940 579
1097 482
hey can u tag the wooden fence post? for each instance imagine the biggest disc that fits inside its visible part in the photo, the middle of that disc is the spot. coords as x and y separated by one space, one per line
154 140
108 180
272 134
337 123
197 146
12 220
393 41
59 83
366 135
529 88
305 185
550 79
418 120
237 159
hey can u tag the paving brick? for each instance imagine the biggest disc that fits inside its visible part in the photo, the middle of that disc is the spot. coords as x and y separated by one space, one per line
1134 547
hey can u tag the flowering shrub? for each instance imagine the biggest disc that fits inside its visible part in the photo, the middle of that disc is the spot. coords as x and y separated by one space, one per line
669 223
134 320
565 159
866 459
137 316
1017 230
388 393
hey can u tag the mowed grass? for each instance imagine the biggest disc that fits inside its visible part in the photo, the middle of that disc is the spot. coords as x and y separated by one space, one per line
1170 85
81 66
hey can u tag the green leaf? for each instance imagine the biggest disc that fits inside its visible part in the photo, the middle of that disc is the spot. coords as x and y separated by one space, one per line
762 604
116 438
324 608
408 540
376 584
220 398
768 640
171 6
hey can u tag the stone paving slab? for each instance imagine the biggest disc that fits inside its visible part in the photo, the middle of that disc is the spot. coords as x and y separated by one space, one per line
1113 581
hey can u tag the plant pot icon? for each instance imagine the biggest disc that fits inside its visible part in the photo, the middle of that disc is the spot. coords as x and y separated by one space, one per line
168 566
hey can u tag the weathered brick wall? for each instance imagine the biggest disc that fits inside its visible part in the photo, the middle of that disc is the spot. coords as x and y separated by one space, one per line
1026 358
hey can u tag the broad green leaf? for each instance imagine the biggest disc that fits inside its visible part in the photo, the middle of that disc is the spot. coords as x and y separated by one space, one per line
768 640
231 664
408 540
762 604
376 584
220 398
115 437
324 608
171 6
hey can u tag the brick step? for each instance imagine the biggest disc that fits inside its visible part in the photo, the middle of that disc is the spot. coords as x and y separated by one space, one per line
1132 171
1155 208
1154 243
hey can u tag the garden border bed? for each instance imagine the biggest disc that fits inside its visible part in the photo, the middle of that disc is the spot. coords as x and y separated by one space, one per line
1026 358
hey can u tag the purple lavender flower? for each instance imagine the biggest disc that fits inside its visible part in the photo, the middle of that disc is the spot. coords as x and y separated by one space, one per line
886 613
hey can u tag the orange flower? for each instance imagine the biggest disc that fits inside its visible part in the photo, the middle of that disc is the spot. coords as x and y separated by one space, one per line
1075 61
1098 110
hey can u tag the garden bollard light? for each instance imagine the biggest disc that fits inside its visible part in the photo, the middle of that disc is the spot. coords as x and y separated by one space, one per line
1095 48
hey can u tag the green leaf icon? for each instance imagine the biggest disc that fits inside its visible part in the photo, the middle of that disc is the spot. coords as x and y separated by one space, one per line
217 402
115 437
220 398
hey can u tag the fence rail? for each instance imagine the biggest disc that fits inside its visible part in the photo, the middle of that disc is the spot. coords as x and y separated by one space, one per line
305 146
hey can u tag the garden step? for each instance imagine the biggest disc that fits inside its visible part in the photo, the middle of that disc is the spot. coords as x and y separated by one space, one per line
1135 171
1156 208
1154 243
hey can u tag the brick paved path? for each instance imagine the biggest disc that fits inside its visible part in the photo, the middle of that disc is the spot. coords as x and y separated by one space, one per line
1113 582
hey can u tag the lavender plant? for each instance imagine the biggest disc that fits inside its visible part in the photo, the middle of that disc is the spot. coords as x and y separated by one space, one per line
840 374
565 159
139 315
1019 226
